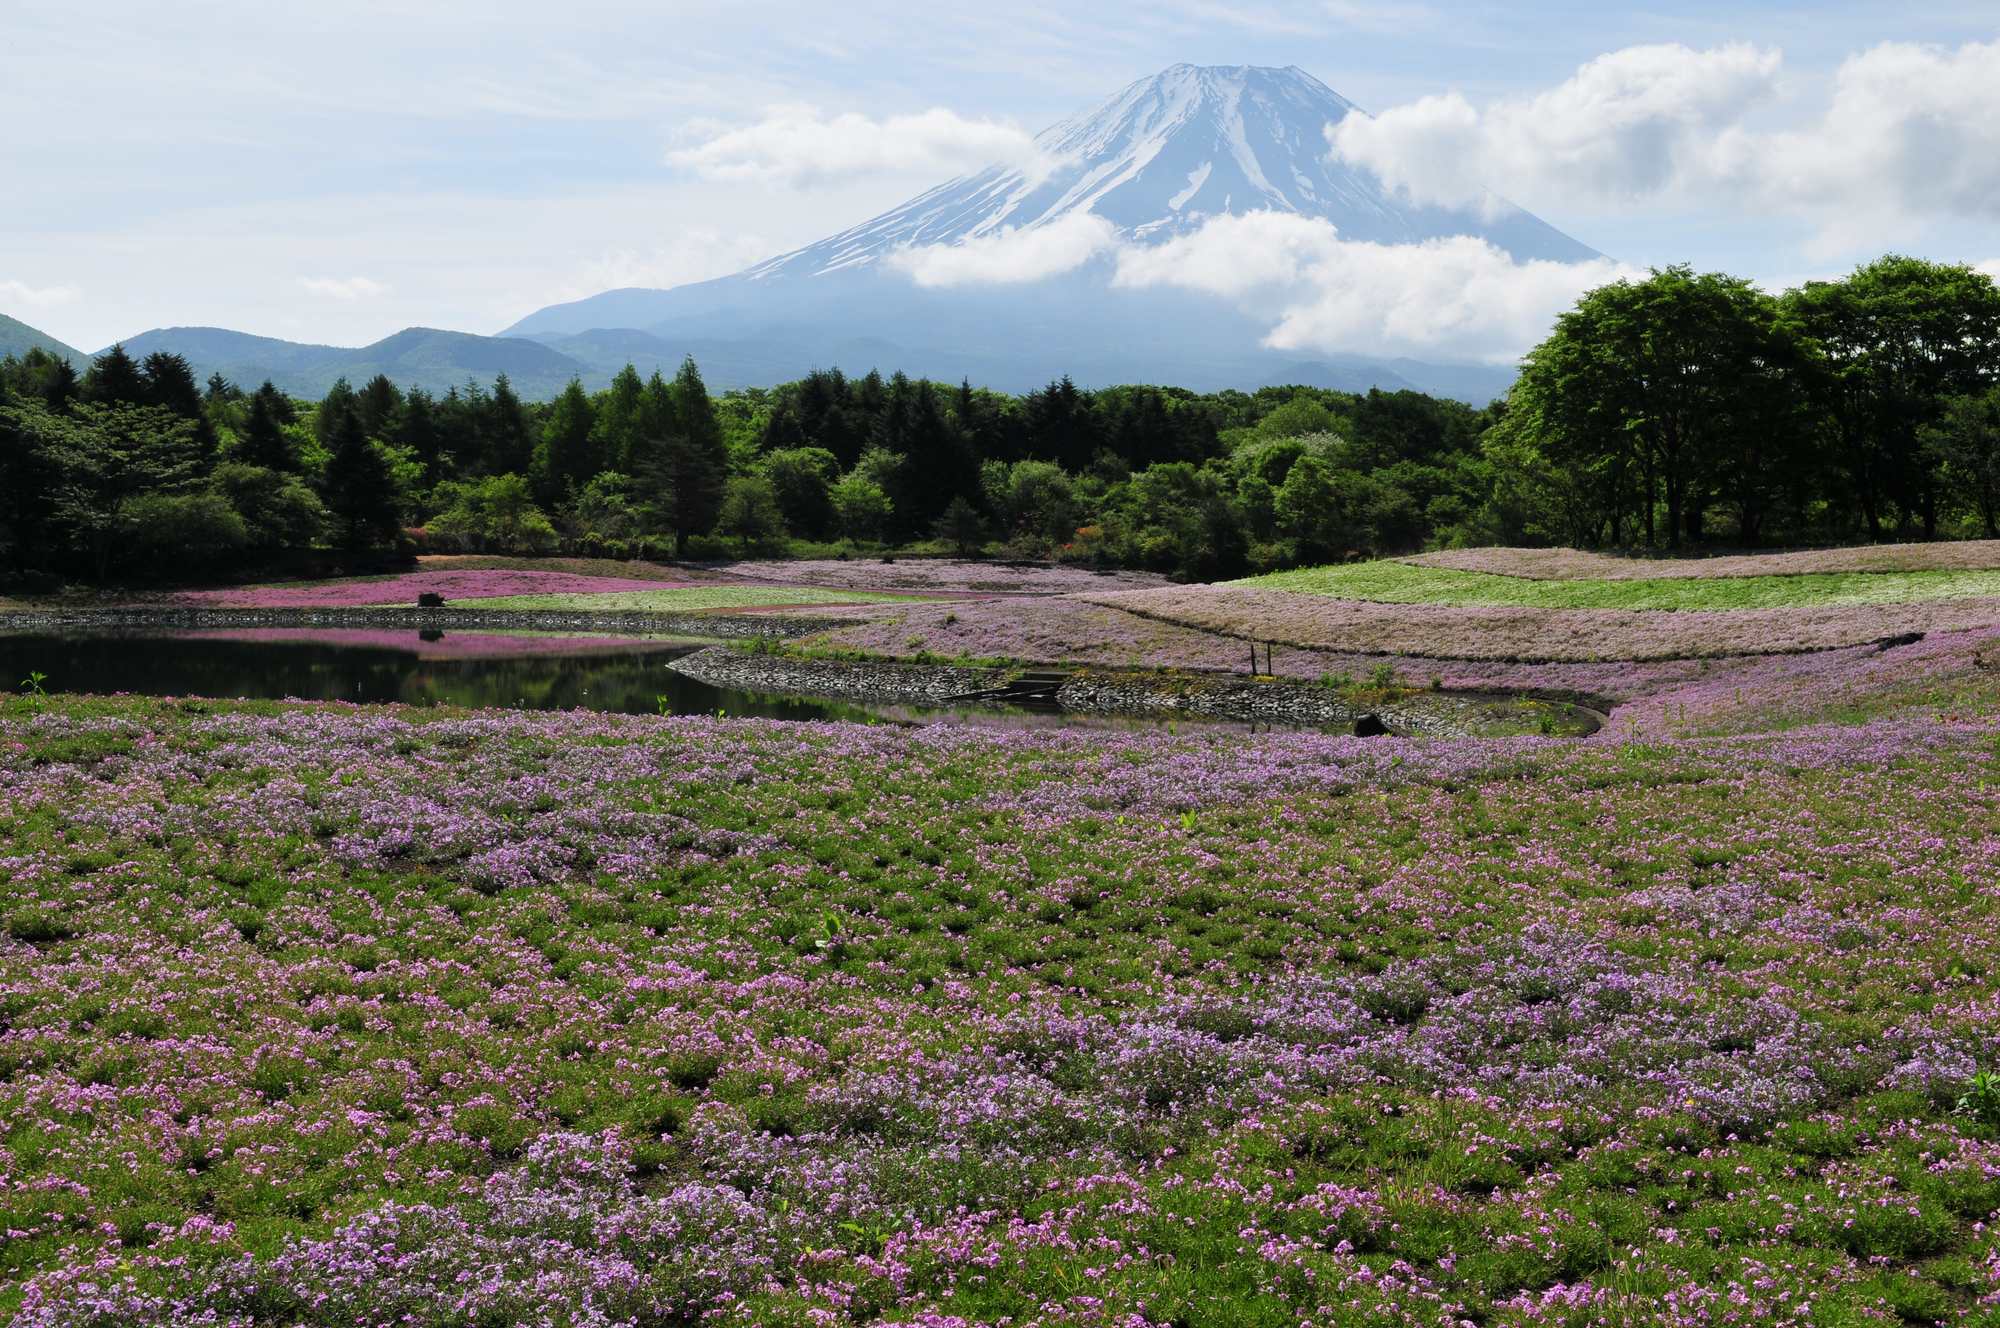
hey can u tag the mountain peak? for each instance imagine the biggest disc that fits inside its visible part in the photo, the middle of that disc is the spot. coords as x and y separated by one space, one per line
1168 152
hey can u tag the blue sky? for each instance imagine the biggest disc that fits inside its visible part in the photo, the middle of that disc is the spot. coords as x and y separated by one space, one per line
337 171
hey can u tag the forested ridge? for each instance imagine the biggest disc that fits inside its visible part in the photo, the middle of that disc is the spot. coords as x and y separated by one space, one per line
1684 410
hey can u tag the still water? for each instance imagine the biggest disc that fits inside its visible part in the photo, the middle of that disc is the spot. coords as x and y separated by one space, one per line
522 671
512 670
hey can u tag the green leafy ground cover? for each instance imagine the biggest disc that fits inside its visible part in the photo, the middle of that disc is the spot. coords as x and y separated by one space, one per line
329 1015
1392 582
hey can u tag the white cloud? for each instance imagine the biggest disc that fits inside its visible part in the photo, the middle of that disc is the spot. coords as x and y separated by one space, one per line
344 288
1911 132
800 146
1010 256
1626 127
1458 298
1991 268
38 297
1908 134
697 254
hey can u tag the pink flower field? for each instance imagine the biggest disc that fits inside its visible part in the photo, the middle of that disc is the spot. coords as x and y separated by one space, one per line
938 575
1071 630
1566 635
404 589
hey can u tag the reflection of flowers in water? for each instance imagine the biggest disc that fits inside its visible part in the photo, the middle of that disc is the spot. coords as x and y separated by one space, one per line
436 643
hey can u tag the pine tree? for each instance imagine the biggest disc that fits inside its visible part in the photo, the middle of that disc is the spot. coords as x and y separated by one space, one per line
358 489
566 458
508 440
115 380
170 383
961 526
419 430
333 408
60 386
265 441
616 428
687 468
380 403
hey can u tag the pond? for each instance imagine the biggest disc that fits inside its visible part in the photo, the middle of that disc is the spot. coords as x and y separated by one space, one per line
510 670
520 671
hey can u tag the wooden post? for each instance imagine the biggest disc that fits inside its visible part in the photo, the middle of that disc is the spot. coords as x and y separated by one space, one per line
1253 659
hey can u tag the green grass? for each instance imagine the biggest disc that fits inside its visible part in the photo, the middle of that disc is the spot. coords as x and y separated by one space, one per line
685 599
1391 582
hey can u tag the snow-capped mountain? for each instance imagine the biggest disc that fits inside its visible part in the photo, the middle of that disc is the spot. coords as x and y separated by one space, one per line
1168 153
1157 160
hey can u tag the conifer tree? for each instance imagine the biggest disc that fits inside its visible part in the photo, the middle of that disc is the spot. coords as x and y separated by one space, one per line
115 380
566 459
265 441
358 489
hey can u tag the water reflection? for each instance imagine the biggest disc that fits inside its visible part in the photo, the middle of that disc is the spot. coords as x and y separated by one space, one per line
511 670
522 671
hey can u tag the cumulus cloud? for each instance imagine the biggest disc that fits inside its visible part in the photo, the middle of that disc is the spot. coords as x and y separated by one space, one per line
1625 128
1907 132
1460 297
344 288
38 297
1010 255
1911 131
1991 268
800 146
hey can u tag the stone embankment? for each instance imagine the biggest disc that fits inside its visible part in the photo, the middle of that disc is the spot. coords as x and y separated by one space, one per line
1095 691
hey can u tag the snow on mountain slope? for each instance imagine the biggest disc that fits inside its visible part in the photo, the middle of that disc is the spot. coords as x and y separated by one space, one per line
1169 152
1156 163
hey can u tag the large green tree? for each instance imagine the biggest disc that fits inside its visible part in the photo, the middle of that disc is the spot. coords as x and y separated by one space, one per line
1965 444
1654 388
1898 338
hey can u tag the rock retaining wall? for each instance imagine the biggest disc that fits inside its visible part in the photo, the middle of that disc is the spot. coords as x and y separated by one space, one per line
1094 692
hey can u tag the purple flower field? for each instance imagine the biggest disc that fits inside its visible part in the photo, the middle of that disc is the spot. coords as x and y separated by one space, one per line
489 583
334 1015
937 575
1492 632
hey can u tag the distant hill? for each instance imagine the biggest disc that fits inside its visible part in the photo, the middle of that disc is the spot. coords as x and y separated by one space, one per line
415 357
17 338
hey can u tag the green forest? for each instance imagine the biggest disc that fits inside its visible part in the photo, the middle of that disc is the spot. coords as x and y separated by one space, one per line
1686 410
